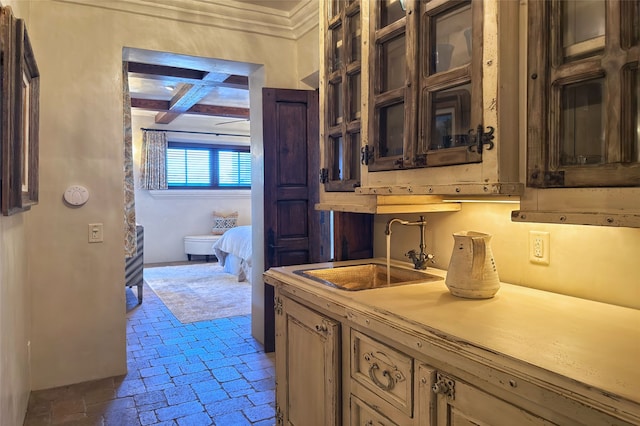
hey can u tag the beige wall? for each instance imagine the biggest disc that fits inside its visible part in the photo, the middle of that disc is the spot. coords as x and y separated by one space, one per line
308 57
597 263
15 306
78 299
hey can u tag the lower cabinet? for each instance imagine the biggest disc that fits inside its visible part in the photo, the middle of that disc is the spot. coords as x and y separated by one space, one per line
461 404
307 366
388 384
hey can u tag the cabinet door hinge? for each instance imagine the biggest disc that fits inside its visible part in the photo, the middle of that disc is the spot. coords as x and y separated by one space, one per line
324 175
279 416
444 386
480 139
277 305
366 155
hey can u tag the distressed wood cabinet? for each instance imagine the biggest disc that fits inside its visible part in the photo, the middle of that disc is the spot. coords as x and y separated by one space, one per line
583 113
427 105
308 366
410 355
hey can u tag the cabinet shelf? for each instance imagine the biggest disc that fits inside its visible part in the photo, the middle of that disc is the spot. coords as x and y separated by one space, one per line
393 204
471 189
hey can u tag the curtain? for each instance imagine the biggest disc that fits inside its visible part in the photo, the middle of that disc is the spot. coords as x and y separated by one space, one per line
130 243
154 160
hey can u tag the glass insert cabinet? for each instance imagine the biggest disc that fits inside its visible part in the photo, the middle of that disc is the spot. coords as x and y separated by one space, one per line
583 113
410 90
584 92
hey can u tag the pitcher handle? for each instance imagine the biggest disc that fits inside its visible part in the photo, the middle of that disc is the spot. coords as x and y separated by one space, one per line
479 253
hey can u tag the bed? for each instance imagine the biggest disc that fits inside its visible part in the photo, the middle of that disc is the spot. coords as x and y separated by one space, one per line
233 251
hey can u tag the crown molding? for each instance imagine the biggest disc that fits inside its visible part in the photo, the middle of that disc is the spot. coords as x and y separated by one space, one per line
225 14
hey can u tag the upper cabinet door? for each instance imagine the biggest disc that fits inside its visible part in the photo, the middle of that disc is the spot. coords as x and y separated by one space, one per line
583 113
437 113
392 87
451 35
342 23
425 82
584 91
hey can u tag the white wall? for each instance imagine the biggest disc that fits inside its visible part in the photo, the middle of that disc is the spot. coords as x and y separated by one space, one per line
78 298
169 215
597 263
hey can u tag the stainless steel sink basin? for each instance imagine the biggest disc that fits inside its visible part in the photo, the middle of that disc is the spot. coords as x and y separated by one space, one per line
366 276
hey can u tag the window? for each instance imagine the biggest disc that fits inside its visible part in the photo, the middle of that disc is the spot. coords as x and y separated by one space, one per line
201 166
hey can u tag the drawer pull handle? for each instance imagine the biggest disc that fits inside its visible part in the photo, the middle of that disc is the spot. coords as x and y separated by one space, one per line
372 375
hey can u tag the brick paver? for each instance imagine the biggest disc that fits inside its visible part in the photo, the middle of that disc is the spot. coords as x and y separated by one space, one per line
204 373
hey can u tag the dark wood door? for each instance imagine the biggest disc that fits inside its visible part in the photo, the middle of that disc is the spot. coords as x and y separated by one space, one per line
294 232
353 235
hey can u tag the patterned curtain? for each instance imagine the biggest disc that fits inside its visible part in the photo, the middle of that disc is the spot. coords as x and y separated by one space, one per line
130 246
153 168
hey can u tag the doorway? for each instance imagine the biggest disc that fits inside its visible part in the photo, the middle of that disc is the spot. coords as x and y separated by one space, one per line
217 111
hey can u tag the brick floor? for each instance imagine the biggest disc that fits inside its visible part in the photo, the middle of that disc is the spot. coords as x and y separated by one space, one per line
204 373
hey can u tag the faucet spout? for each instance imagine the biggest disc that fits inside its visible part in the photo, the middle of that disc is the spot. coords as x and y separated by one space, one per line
421 259
387 230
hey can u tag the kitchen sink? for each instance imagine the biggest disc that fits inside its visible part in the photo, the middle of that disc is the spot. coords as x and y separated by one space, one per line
366 276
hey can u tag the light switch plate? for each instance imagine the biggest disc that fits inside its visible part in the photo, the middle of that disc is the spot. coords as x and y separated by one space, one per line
96 234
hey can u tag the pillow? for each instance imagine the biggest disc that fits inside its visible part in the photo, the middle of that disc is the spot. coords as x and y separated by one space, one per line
222 222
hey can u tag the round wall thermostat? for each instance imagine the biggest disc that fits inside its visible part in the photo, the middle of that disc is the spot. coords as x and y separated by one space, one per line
76 195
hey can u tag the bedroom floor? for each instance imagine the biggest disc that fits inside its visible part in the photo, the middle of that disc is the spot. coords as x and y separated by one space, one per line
203 373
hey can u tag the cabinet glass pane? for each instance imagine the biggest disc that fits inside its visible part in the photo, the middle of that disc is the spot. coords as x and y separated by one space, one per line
582 124
337 148
391 11
354 160
354 96
393 64
452 42
451 122
355 34
582 20
391 130
336 6
336 44
336 100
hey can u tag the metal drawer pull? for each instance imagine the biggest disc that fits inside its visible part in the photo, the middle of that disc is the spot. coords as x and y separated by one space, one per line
390 382
392 374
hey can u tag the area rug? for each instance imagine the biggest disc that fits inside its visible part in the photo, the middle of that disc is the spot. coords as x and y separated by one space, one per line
199 292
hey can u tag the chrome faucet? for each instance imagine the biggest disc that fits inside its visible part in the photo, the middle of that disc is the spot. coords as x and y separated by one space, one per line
419 259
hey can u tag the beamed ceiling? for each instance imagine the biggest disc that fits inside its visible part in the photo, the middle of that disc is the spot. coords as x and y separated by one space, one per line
188 92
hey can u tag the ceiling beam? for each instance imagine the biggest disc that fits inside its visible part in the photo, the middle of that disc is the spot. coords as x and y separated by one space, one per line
193 86
184 75
199 109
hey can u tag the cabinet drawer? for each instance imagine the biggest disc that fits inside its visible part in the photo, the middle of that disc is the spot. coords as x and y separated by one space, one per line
364 415
383 370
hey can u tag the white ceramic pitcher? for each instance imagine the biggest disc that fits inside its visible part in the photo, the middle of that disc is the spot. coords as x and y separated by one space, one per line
472 271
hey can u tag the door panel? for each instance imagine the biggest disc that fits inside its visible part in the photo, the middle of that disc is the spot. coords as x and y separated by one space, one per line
295 233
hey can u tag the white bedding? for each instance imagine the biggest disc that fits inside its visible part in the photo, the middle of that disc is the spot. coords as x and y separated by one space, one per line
233 245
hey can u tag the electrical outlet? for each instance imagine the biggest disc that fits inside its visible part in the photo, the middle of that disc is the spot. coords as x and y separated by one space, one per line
95 233
539 247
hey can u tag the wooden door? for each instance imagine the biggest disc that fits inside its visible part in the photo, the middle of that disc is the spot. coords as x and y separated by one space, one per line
353 235
294 232
307 366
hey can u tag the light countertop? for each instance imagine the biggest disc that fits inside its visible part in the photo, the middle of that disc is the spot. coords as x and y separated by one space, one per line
593 343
